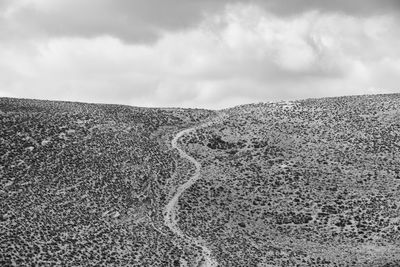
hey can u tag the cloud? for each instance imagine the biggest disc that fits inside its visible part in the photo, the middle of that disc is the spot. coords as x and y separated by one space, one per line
241 54
353 7
139 21
145 21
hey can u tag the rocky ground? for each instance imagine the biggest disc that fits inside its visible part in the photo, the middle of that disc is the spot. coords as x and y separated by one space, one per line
306 183
85 184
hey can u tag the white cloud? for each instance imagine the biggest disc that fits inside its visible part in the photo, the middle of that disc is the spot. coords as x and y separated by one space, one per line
241 55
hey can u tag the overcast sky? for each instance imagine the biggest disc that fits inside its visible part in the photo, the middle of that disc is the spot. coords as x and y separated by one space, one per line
198 53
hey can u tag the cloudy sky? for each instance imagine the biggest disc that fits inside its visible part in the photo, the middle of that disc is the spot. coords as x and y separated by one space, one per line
198 53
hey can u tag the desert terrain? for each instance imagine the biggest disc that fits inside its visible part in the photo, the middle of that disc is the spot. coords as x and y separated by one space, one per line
303 183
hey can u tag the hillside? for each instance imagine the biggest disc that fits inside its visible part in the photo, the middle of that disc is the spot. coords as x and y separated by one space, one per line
85 184
310 183
306 183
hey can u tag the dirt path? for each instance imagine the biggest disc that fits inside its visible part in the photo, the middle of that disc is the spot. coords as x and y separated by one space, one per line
171 209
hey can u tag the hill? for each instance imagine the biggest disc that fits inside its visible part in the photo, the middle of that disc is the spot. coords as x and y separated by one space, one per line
84 184
307 183
303 183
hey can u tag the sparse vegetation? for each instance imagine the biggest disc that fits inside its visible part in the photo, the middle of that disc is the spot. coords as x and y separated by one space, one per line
305 183
312 183
85 184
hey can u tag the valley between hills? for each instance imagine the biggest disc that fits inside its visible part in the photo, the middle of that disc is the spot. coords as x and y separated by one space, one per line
313 182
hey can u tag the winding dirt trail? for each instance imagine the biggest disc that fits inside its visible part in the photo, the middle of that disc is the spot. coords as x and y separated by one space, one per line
171 209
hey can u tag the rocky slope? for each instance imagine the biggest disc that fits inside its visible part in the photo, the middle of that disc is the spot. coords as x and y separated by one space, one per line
305 183
84 184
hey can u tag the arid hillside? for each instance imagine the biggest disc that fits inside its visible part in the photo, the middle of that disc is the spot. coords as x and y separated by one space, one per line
304 183
85 184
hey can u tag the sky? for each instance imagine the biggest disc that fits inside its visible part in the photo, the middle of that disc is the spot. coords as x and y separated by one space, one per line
191 53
